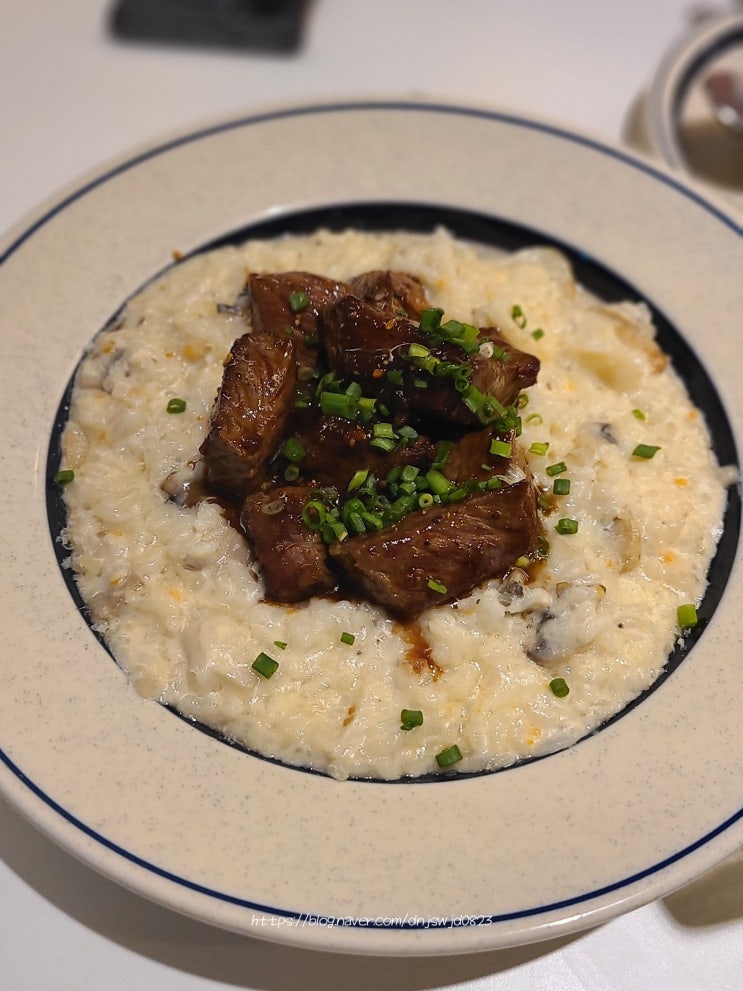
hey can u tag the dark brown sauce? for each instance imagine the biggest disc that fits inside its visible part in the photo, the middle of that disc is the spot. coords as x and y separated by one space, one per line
418 653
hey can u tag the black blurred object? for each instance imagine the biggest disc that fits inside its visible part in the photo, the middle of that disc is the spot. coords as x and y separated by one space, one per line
264 25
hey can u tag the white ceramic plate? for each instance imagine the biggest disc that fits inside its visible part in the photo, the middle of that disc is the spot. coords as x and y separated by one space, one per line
438 867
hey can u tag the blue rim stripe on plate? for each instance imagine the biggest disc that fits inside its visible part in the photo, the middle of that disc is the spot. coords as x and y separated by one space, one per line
363 923
505 118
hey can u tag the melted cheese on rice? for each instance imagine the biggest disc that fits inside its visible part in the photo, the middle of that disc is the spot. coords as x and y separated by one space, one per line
177 597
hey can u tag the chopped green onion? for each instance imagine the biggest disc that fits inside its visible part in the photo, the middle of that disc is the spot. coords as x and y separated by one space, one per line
366 408
339 404
382 443
443 449
638 414
407 435
294 449
646 451
410 718
383 430
348 638
559 687
534 419
687 616
418 351
431 319
452 755
537 334
425 500
566 526
394 376
281 644
561 486
265 666
556 469
299 300
439 483
358 479
291 473
539 448
314 514
436 586
501 448
175 406
518 316
64 477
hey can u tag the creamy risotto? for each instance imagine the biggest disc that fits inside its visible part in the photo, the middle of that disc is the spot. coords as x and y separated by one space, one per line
523 665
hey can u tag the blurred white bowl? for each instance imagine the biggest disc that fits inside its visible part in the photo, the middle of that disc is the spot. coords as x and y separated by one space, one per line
680 122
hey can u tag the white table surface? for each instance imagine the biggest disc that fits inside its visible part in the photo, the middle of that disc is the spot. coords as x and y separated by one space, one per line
72 98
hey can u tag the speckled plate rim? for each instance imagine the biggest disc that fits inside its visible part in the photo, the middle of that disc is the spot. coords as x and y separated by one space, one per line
549 848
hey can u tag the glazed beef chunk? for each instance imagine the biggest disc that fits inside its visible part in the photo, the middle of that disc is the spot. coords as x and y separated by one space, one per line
505 377
396 294
364 343
277 307
335 449
292 558
253 405
350 438
444 553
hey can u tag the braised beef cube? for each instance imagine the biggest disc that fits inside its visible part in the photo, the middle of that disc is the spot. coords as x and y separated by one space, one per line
335 449
396 294
253 405
470 457
507 372
363 343
391 355
291 303
441 554
293 559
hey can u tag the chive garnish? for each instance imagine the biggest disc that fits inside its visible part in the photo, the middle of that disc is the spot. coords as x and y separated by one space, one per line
176 406
436 586
518 316
358 479
638 414
452 755
537 334
281 644
687 616
559 687
561 486
501 448
556 469
566 526
410 718
294 449
64 477
646 451
264 665
538 447
299 300
348 638
339 404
